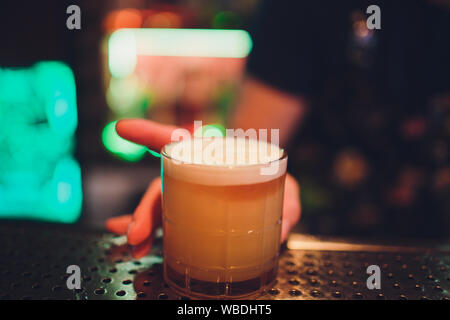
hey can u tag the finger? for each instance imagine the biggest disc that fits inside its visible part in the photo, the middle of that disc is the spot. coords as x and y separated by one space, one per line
145 132
119 225
147 215
291 206
143 248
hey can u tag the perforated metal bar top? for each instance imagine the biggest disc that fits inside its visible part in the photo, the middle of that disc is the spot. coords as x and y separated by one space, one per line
34 259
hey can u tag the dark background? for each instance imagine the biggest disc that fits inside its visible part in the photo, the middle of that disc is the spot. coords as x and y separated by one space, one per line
35 31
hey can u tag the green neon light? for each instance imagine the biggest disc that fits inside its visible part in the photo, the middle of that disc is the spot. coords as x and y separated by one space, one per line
66 184
39 178
226 19
120 147
125 45
57 82
154 153
210 130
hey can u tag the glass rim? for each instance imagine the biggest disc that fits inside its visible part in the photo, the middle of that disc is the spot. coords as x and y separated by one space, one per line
164 154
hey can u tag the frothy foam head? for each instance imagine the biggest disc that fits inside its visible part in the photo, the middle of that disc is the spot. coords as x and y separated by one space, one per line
223 161
223 151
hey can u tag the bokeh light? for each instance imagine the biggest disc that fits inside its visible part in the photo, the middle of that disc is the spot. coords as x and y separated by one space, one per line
39 178
120 147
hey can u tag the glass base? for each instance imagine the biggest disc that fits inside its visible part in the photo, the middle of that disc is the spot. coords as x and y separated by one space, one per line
199 289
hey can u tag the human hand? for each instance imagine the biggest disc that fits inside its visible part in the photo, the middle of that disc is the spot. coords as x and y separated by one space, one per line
140 226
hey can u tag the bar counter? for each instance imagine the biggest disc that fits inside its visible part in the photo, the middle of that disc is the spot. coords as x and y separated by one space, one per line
34 259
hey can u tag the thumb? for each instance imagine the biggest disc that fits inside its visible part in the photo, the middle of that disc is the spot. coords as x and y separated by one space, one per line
147 215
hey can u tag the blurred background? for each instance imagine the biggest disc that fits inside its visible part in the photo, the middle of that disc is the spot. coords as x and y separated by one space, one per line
62 90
